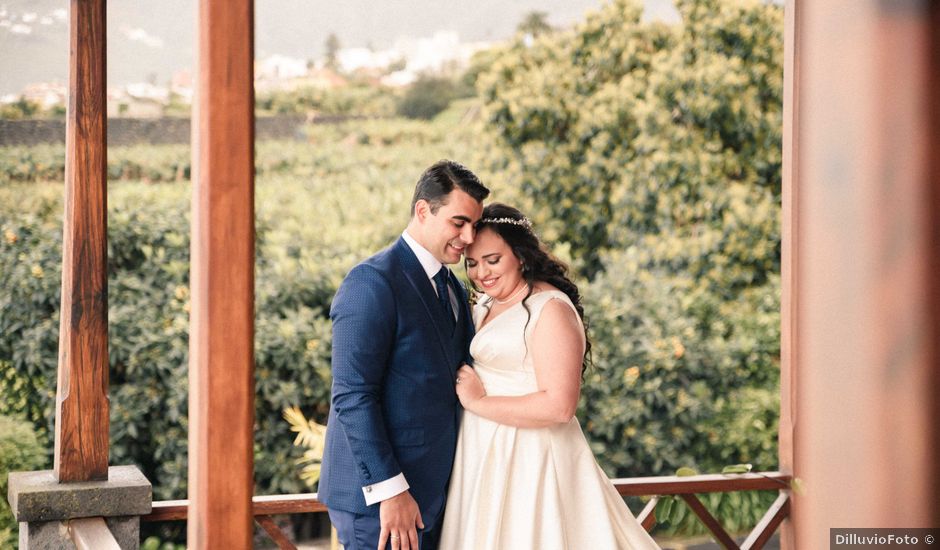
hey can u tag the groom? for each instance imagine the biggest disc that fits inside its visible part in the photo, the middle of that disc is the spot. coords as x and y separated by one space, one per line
401 328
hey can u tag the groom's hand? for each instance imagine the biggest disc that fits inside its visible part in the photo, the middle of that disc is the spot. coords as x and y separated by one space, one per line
398 517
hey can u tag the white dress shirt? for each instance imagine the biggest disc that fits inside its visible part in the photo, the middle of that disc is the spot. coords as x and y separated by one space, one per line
431 266
427 260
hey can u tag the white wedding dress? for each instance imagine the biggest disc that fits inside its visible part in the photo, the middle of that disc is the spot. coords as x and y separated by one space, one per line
528 488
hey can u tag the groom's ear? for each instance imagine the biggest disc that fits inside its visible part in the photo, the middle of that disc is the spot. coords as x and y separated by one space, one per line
422 209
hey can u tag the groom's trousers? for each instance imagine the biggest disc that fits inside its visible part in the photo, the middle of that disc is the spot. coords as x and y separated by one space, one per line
361 532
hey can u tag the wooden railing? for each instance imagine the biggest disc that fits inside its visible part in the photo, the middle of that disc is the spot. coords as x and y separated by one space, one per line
686 487
91 534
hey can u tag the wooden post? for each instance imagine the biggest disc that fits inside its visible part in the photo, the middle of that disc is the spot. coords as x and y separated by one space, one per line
81 427
865 443
789 365
934 237
221 402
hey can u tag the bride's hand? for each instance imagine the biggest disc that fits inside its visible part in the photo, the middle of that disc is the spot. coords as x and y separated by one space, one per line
469 386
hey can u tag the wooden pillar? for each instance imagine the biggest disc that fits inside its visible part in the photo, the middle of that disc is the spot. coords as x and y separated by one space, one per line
221 379
789 254
81 427
934 238
865 340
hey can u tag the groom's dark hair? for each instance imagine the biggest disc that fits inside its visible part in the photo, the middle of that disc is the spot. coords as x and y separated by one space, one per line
441 178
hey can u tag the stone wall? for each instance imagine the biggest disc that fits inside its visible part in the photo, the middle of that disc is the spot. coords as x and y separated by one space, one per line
130 131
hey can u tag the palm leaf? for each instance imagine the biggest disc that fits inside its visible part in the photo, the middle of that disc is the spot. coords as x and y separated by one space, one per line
311 435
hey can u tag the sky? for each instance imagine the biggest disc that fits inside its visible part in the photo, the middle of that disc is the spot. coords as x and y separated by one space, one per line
149 40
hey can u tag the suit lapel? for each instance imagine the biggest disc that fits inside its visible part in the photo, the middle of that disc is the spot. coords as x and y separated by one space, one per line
422 285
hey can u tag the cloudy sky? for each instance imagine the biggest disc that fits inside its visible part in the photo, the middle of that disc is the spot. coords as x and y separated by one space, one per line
149 40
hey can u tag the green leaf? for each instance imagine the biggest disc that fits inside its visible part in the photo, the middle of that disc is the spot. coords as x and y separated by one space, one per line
796 484
737 469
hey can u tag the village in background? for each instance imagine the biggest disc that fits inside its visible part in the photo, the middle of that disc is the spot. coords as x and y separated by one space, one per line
438 61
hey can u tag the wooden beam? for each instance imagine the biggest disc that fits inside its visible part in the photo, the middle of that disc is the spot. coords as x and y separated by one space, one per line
647 517
221 404
273 531
269 505
303 503
707 483
710 522
81 426
765 528
92 534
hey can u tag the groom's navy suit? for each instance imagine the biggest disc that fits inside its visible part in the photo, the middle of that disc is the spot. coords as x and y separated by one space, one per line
394 409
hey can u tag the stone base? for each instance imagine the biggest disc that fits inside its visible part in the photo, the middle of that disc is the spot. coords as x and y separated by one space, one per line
43 506
54 535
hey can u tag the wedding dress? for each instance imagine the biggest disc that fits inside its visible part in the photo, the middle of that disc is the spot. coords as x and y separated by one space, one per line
528 488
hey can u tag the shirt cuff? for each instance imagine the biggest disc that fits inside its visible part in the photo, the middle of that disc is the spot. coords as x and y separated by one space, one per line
384 490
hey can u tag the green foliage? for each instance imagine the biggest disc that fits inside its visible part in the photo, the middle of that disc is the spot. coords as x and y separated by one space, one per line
427 97
647 155
36 163
20 109
681 377
148 323
30 275
480 62
620 130
154 543
20 451
650 156
343 200
136 162
172 163
347 100
738 512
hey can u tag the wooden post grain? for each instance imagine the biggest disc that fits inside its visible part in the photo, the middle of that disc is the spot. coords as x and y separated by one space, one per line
81 427
221 404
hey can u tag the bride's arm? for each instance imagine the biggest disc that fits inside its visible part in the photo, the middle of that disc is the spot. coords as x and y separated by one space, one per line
557 350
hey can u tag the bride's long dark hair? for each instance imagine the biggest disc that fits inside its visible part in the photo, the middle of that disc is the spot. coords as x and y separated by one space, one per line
538 264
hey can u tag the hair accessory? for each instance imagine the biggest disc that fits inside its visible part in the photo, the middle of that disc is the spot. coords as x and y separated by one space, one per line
524 222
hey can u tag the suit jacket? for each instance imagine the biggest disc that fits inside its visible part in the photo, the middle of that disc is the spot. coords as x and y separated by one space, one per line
394 408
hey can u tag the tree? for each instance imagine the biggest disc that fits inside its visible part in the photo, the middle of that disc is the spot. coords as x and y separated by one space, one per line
651 155
332 50
20 109
534 23
428 96
620 131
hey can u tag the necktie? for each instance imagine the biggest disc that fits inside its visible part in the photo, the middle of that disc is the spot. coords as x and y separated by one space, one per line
443 296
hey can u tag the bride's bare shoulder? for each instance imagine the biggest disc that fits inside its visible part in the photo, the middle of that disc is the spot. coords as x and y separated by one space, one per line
542 286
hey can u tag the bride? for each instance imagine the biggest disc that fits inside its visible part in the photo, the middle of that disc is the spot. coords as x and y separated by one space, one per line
524 476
